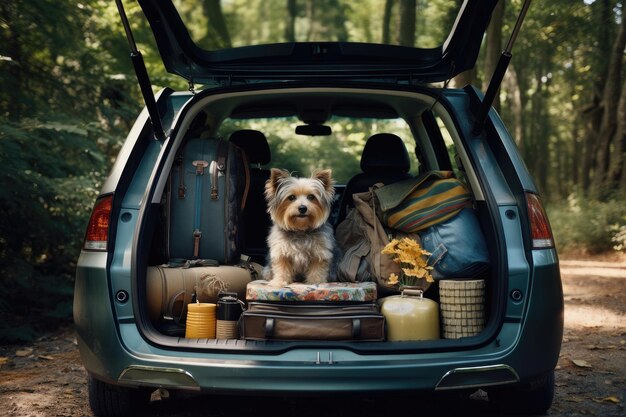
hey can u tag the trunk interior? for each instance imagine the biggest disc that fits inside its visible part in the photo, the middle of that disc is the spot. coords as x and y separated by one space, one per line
432 141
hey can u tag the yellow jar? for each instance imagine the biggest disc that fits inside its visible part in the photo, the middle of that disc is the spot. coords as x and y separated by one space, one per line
410 316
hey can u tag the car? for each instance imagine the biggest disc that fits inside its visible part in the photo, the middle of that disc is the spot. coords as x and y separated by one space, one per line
314 102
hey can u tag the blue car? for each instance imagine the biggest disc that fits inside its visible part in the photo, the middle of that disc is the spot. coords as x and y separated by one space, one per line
379 113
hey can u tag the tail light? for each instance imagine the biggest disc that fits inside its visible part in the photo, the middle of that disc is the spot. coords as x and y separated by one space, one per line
540 231
97 234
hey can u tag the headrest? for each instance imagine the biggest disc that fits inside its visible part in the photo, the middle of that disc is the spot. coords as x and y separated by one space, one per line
254 144
385 152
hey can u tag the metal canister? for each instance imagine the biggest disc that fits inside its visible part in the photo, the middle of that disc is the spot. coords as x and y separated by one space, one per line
229 309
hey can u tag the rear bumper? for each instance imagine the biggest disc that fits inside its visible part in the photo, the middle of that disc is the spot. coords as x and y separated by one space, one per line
116 352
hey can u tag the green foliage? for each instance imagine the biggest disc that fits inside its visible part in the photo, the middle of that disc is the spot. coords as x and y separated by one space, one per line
588 225
67 100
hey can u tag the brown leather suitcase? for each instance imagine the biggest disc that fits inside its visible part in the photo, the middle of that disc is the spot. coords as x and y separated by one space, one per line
275 321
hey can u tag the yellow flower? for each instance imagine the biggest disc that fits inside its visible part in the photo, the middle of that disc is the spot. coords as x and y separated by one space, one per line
390 248
411 257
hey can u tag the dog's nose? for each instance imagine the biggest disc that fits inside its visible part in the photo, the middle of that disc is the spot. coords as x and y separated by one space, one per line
302 209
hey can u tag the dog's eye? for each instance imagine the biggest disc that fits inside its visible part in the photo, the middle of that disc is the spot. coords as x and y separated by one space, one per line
310 197
291 198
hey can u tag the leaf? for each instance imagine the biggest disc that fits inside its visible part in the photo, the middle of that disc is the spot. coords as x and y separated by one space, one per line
581 363
46 357
22 353
611 399
3 360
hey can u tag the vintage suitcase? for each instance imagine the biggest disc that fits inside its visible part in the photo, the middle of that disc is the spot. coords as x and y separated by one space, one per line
169 290
208 187
275 321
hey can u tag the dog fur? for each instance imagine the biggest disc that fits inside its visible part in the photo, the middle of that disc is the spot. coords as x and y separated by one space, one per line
301 243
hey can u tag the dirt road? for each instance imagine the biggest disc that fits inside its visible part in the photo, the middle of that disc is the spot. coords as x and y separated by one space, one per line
46 378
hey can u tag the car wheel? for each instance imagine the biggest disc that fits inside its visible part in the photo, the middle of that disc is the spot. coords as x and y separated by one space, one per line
108 400
533 398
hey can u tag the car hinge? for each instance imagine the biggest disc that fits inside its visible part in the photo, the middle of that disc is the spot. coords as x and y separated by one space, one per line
498 73
142 76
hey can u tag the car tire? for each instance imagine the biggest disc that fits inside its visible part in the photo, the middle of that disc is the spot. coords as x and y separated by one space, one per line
107 400
530 398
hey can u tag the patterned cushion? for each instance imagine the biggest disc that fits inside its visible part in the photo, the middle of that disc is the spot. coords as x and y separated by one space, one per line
328 292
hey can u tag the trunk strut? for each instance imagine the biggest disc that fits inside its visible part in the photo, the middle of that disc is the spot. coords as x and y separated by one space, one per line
498 73
142 76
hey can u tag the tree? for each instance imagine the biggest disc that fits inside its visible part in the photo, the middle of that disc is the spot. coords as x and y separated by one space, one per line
406 34
494 48
213 10
610 101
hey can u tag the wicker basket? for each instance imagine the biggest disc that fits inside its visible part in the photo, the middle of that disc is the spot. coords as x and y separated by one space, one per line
462 306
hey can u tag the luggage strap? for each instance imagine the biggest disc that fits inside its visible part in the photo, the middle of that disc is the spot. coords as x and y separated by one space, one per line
182 189
217 166
197 234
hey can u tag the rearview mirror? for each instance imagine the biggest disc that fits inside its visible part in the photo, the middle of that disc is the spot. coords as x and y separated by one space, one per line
313 130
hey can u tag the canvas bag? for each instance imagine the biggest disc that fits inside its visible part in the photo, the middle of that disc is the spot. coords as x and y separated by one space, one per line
415 204
362 237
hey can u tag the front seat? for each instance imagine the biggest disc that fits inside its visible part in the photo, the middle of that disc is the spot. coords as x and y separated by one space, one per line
255 217
384 159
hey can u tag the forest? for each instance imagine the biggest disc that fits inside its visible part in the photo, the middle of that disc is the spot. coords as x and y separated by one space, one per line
68 97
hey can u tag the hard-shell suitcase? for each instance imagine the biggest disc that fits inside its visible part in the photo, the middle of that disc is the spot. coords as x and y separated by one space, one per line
208 187
274 321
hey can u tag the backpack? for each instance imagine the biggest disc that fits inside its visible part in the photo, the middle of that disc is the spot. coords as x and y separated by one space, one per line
362 237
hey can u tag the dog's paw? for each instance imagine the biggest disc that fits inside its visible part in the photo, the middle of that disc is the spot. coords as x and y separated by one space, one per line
276 282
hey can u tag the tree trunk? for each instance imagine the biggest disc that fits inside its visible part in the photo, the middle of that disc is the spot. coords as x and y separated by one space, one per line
290 26
616 167
11 38
386 21
610 102
213 10
494 48
310 9
511 85
407 23
593 116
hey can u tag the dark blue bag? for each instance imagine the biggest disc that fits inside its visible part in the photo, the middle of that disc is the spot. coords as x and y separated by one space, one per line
457 246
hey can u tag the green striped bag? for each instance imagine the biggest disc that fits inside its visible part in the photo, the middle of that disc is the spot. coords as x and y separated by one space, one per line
417 203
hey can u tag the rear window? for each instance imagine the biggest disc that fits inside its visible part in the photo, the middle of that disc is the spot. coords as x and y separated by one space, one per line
340 151
233 23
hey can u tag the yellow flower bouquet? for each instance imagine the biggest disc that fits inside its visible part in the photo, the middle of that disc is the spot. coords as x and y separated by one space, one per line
411 257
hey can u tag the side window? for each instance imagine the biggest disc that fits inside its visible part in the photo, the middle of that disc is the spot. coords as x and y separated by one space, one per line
452 153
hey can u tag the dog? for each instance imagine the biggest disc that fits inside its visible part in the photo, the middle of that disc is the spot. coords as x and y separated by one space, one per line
302 246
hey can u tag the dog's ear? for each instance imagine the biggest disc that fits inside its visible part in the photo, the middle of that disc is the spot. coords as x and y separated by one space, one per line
325 177
271 185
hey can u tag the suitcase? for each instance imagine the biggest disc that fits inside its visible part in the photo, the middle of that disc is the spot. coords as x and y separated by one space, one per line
290 322
169 290
208 187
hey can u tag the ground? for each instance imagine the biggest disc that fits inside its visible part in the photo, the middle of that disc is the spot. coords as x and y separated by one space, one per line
46 378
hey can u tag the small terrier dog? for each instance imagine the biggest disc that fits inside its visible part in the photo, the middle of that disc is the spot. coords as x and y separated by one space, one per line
301 243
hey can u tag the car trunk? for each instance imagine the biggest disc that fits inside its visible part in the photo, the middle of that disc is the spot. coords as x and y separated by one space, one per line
440 143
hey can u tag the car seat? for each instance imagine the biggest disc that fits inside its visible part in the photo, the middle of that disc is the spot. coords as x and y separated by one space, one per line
256 220
384 159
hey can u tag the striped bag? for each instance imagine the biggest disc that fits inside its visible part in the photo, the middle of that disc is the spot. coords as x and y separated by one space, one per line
417 203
